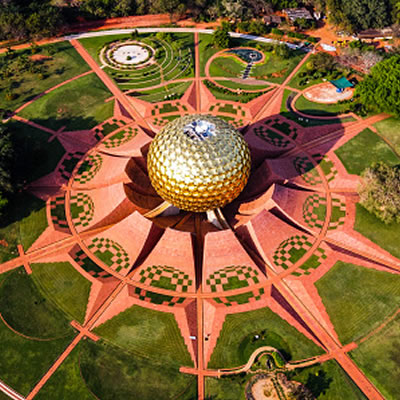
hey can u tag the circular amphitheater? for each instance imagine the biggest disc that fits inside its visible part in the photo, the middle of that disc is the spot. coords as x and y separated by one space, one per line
170 241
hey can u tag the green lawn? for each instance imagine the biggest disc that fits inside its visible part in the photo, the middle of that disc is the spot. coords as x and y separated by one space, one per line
35 157
357 299
147 333
66 383
94 44
385 236
64 64
390 130
227 66
242 86
173 64
236 341
231 387
275 69
62 284
27 311
379 359
206 51
77 105
363 150
294 82
318 109
159 94
23 362
23 222
328 382
112 373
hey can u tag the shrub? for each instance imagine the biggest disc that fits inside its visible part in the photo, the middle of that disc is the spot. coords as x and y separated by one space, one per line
380 192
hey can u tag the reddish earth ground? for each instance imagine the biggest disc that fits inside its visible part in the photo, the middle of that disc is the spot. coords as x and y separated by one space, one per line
326 93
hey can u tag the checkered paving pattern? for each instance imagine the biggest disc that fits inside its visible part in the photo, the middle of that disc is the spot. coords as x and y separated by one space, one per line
243 298
120 138
285 128
111 253
271 137
107 127
89 168
294 248
309 173
68 164
87 264
314 211
232 277
82 209
164 120
157 298
166 277
312 263
57 212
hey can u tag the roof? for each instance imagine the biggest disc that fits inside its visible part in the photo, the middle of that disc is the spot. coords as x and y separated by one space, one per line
294 13
342 83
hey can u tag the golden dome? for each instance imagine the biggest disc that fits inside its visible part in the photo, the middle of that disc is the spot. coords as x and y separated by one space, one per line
198 163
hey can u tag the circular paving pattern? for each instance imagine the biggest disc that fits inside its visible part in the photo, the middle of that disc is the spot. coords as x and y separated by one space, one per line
130 54
170 300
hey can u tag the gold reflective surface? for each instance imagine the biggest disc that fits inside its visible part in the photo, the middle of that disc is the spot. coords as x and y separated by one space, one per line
198 173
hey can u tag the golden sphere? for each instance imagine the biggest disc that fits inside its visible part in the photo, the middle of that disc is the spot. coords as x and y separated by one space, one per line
198 163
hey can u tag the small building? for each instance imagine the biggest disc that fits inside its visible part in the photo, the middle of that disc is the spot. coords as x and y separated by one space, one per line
295 13
375 34
272 20
342 84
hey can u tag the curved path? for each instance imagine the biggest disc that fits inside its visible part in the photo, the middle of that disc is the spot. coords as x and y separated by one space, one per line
333 348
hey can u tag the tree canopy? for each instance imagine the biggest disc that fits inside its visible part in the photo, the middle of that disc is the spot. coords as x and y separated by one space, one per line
380 192
6 154
380 90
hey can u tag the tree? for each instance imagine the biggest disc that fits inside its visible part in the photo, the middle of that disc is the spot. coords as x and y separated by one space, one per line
380 192
221 38
380 90
282 51
6 154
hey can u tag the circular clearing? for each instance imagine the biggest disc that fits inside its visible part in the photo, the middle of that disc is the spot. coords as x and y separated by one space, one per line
326 93
130 54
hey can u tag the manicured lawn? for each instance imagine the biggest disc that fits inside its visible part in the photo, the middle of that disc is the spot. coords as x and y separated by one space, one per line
22 361
206 51
357 299
77 105
112 373
66 383
318 109
227 66
27 311
379 358
328 382
147 333
23 221
385 236
390 129
64 64
294 83
35 156
242 86
236 341
275 69
161 93
172 64
226 388
363 150
94 44
62 284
